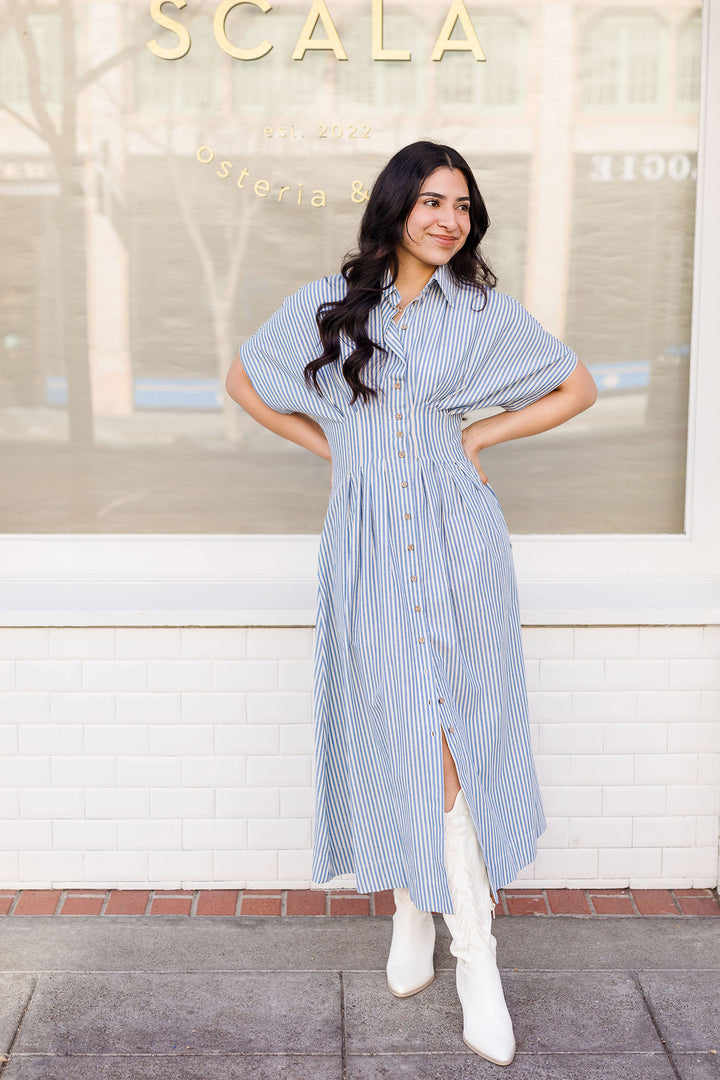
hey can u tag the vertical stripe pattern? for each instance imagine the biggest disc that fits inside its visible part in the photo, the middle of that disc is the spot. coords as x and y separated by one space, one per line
418 628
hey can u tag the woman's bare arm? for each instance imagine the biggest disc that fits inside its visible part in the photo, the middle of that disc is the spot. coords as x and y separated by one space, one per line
577 393
296 427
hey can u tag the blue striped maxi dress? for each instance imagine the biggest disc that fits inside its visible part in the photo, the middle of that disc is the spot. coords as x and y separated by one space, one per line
418 627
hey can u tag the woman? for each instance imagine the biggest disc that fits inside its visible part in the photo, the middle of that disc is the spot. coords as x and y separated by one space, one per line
425 781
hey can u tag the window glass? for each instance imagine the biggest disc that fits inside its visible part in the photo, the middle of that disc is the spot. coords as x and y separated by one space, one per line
505 35
153 225
625 62
32 51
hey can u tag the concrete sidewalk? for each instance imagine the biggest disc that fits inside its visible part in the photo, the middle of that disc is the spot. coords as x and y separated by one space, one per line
304 998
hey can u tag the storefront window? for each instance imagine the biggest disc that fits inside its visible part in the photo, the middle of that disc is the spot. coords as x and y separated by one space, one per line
151 227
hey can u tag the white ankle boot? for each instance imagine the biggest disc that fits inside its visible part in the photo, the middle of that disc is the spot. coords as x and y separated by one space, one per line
410 963
487 1027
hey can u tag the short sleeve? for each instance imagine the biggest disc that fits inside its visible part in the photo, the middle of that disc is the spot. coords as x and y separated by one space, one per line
523 361
274 358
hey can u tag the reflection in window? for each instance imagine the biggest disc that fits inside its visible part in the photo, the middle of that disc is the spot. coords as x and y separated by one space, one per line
30 319
276 86
386 84
688 63
46 35
253 84
499 82
189 87
186 263
625 63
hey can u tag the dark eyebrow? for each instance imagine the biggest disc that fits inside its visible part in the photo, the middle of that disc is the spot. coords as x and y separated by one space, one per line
437 195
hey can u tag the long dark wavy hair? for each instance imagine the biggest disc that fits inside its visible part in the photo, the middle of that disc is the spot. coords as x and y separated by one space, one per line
382 227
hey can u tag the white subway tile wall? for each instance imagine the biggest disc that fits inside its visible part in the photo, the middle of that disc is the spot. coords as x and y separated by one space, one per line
182 757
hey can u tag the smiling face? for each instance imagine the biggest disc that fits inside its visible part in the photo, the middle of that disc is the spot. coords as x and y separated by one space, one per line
439 222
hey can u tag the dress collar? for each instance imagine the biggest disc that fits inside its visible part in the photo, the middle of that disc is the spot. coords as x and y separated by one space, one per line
443 278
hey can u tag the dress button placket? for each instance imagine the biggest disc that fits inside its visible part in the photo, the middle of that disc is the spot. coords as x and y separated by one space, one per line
408 517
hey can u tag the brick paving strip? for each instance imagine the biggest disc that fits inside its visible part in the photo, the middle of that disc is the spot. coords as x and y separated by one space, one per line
581 902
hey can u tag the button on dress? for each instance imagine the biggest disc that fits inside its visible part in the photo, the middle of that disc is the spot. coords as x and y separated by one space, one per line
418 628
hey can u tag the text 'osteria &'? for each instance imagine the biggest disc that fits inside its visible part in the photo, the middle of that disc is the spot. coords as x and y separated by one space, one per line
261 187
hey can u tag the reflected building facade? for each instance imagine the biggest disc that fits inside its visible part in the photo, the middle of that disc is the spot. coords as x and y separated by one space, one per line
153 212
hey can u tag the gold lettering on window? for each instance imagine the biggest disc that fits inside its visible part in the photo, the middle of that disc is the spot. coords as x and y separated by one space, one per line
223 40
183 46
378 52
469 43
319 13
